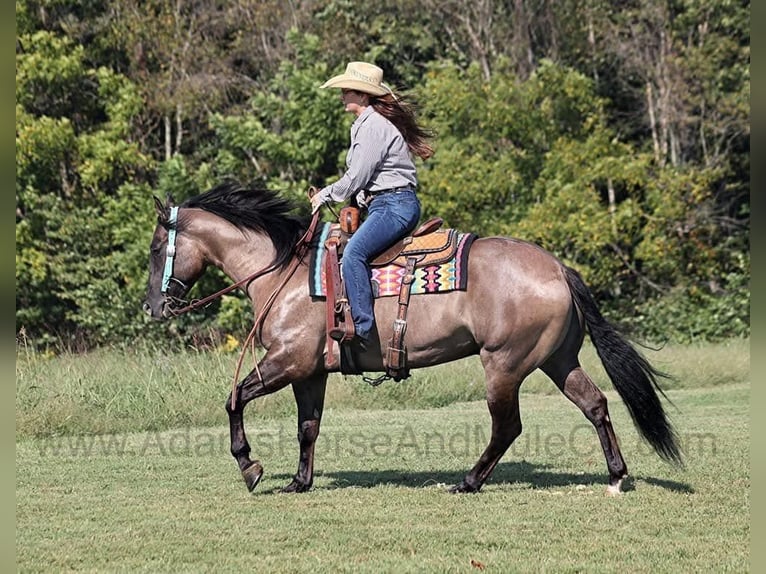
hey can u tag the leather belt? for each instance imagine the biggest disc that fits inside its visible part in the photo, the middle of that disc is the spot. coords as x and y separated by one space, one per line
391 190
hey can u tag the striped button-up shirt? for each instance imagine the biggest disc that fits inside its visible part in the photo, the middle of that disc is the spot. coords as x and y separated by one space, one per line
377 159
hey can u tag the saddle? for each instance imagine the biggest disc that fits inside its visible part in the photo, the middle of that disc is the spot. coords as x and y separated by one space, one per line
428 245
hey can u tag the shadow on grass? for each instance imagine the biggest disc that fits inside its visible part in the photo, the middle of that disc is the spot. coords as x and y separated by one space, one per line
534 475
667 484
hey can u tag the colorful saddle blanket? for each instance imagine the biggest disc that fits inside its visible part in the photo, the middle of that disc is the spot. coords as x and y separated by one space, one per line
450 275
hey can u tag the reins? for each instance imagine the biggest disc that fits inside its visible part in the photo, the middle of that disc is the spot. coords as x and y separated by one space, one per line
301 247
197 303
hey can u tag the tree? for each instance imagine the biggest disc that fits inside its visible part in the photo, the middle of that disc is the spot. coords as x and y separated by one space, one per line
69 168
493 137
294 132
177 55
615 134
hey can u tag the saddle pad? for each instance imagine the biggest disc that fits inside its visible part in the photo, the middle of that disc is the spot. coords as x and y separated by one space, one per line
449 276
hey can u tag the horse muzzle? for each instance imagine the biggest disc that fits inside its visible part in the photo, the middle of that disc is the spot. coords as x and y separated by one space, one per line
161 311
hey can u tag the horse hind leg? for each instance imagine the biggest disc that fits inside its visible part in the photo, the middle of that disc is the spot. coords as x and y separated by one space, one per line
578 387
503 403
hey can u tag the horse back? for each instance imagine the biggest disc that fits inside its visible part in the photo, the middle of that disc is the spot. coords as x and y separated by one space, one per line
516 292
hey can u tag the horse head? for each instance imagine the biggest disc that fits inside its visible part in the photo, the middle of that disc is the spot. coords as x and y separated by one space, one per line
175 262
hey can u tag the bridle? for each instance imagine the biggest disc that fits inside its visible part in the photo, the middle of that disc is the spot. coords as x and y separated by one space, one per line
301 248
168 278
170 255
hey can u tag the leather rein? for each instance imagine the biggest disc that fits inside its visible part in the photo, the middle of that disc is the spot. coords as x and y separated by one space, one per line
301 248
300 251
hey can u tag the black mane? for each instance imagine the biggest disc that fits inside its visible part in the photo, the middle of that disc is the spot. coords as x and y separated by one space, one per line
259 210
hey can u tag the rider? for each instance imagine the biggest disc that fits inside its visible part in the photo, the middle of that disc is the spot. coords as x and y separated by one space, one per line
380 172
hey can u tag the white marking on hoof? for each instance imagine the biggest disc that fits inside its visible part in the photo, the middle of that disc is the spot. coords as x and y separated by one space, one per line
614 489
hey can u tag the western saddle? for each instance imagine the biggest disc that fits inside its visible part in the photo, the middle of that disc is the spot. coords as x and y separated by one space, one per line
428 245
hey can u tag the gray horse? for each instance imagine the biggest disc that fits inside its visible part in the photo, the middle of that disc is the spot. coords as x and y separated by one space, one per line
522 310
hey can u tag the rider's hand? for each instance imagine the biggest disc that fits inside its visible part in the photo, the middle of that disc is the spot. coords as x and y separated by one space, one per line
361 199
316 199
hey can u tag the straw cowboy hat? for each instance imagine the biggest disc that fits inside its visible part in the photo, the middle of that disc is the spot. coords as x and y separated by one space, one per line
362 77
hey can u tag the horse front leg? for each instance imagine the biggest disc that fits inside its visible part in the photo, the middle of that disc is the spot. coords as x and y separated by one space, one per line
271 375
309 397
252 471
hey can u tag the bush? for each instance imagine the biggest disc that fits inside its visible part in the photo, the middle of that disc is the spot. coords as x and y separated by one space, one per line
691 315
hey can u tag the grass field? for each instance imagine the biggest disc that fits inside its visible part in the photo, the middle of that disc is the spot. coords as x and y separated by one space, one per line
140 389
169 498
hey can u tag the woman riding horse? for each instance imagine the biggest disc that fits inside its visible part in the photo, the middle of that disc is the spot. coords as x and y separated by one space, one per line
381 173
522 310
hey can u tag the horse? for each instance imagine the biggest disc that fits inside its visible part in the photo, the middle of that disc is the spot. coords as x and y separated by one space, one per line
523 309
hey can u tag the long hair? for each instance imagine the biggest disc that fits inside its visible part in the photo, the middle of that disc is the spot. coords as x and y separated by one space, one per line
402 115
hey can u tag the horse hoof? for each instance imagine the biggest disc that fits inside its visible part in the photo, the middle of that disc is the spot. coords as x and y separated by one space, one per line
614 489
296 486
252 475
463 488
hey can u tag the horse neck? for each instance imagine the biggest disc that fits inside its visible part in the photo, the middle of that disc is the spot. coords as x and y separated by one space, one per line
238 253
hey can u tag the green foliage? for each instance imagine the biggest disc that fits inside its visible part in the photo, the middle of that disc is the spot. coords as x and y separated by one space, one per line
572 217
656 244
44 149
49 71
105 286
698 313
38 309
292 134
713 40
78 223
542 132
235 316
396 35
493 139
175 181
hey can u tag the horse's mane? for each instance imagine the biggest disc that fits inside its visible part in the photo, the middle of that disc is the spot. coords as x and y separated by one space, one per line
259 210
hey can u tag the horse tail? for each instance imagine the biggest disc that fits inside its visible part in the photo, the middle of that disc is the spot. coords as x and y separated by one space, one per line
631 374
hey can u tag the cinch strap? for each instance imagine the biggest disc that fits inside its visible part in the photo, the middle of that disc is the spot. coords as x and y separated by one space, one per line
170 250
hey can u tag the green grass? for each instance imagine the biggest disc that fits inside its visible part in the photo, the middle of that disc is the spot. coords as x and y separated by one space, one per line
119 391
122 464
169 501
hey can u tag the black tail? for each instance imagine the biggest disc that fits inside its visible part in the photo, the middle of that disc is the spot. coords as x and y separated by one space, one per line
632 375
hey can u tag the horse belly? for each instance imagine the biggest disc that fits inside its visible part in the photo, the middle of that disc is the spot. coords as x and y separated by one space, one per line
437 330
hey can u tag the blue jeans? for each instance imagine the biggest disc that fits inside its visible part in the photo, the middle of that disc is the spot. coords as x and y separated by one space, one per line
390 217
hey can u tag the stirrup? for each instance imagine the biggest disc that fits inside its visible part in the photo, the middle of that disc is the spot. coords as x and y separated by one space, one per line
348 364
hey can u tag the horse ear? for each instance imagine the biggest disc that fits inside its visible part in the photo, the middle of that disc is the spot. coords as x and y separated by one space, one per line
169 201
163 212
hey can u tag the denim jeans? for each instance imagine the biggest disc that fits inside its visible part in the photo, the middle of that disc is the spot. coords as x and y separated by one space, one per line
390 217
